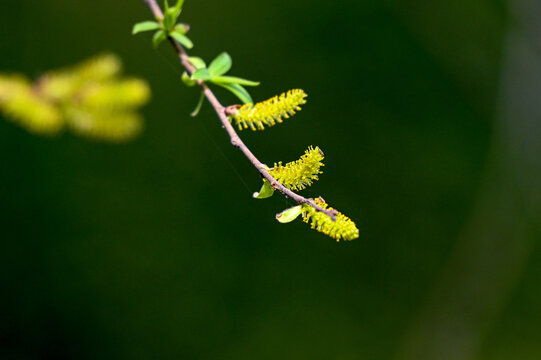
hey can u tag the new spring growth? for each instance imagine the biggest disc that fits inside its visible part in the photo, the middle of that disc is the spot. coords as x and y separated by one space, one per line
166 26
215 74
269 112
293 176
298 175
91 99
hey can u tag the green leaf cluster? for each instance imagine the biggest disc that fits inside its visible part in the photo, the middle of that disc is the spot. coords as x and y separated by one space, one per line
215 73
166 26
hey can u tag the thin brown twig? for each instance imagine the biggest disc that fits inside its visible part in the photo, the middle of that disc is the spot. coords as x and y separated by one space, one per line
234 137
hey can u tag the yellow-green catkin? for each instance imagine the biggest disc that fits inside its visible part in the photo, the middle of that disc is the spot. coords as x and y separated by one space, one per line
115 95
115 127
67 82
269 112
20 103
91 99
299 174
343 228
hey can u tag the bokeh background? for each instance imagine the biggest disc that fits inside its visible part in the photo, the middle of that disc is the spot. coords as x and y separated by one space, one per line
430 119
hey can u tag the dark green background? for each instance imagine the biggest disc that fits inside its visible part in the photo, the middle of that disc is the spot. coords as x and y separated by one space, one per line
156 250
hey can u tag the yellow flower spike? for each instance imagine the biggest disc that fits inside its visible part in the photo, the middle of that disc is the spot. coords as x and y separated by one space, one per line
99 68
91 98
269 112
20 103
64 83
115 95
11 84
343 228
299 174
114 127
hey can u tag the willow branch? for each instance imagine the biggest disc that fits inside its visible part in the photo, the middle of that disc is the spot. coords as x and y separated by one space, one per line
234 137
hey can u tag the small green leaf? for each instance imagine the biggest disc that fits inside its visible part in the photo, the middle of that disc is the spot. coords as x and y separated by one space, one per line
178 6
201 74
220 65
169 19
187 80
167 22
233 80
181 29
265 192
145 26
238 91
183 39
159 36
289 215
171 15
197 62
199 105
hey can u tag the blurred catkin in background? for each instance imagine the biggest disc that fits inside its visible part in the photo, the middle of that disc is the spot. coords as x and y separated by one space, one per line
91 99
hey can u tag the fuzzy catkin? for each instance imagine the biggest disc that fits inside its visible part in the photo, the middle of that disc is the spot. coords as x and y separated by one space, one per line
269 112
299 174
343 228
92 99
